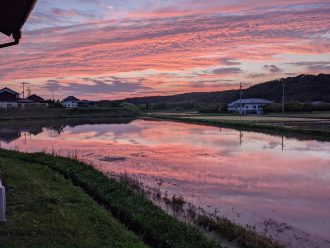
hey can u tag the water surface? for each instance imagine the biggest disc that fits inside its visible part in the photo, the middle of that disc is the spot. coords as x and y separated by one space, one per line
278 185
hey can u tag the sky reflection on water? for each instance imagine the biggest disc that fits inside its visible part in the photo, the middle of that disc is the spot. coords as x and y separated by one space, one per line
249 177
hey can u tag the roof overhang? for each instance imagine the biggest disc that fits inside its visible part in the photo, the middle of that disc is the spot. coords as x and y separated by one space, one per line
13 15
9 91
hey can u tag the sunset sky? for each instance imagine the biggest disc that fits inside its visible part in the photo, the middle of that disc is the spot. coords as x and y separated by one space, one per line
113 49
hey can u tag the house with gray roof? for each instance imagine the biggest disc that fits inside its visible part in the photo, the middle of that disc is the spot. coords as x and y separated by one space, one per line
70 102
248 106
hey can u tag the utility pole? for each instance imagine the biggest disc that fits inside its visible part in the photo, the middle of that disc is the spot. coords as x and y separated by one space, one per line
283 98
240 98
24 89
220 102
29 91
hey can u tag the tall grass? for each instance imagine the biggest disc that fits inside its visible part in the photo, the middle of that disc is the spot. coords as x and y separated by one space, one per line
209 223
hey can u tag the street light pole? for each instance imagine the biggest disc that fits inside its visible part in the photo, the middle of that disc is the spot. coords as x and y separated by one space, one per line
220 102
240 98
283 98
24 89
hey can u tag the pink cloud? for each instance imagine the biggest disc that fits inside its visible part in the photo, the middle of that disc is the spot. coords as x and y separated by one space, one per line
171 55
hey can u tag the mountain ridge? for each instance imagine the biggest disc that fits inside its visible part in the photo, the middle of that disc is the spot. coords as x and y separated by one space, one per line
302 88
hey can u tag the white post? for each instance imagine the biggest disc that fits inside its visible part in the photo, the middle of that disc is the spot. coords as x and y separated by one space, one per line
2 203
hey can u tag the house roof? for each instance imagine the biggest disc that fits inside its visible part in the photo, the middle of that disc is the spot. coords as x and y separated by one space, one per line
9 90
34 96
251 101
71 99
13 15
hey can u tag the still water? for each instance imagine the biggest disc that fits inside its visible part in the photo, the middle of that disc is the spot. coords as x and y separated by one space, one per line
278 185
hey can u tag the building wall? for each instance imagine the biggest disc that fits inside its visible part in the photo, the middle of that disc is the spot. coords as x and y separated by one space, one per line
70 104
8 105
32 105
247 108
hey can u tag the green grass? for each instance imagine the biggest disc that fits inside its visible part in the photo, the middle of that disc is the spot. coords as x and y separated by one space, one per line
153 225
53 113
45 210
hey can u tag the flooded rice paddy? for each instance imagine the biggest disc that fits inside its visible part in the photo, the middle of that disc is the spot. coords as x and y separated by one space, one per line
279 186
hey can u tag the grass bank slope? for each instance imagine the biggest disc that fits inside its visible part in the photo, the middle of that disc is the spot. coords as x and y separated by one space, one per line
45 210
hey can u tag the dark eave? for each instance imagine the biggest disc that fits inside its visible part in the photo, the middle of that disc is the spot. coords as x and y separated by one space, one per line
8 90
13 15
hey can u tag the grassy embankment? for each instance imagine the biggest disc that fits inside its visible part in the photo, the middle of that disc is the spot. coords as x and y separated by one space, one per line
272 127
45 209
54 113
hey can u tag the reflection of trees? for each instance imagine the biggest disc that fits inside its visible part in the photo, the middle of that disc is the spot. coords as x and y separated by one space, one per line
12 130
8 134
58 129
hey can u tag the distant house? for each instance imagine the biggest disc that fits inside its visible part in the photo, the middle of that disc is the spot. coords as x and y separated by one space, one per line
248 106
8 98
36 98
70 102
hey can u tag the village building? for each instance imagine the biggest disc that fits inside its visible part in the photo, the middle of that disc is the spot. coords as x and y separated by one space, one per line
36 98
10 99
70 102
248 106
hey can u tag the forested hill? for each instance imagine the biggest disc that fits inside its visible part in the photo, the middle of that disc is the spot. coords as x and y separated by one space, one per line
303 88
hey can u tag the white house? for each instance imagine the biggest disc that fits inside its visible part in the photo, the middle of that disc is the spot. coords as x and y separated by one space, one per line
70 102
248 106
